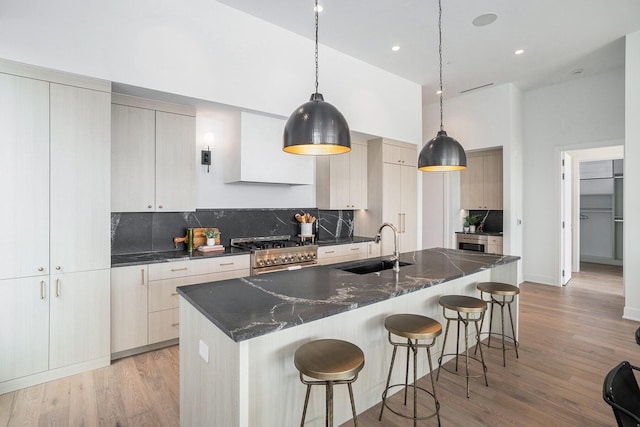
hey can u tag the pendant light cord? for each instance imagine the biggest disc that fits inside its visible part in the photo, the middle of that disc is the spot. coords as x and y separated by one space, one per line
439 51
316 10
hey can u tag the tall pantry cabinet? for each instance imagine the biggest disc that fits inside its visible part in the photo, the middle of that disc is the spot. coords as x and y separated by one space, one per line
54 278
392 194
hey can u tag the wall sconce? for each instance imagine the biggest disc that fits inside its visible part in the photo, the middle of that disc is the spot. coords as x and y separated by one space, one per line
205 154
205 157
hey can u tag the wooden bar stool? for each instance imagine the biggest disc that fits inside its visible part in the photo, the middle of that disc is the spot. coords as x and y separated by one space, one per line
502 291
330 362
412 327
468 310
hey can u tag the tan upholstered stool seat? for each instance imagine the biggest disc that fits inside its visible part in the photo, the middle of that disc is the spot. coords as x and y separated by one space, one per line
467 310
414 328
463 303
329 362
497 288
502 294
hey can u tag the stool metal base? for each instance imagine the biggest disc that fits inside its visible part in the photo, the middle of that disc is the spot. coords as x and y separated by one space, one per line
412 349
501 335
465 320
329 399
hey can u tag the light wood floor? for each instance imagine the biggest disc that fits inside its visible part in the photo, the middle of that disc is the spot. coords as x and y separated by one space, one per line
570 338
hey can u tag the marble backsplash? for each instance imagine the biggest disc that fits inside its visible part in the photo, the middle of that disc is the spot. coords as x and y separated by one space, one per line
493 223
154 231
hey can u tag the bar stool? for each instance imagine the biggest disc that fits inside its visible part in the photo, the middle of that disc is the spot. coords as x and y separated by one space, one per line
468 310
504 290
412 327
330 362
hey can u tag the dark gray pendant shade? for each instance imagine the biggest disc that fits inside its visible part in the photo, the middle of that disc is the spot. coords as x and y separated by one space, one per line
316 128
442 153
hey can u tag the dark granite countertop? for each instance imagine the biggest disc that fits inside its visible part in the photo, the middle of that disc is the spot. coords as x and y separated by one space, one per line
249 307
484 233
344 240
168 256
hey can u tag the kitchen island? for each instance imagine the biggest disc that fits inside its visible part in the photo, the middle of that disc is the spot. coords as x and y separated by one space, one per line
238 336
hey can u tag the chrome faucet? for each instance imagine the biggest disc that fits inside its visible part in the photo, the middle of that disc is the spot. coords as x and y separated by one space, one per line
396 253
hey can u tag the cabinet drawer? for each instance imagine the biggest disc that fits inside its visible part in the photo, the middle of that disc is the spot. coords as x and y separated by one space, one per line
163 294
164 325
169 270
494 240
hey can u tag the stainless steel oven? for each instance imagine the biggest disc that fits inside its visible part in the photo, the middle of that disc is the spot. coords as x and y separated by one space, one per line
473 242
277 253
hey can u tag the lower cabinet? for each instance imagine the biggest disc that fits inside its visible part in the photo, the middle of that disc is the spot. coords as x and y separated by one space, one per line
349 252
52 322
494 245
144 299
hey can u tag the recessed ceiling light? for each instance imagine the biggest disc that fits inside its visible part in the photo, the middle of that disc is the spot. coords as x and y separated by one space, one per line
577 71
438 92
519 52
486 19
320 8
395 48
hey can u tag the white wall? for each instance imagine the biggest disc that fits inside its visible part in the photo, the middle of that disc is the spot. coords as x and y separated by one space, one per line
206 50
581 113
632 177
484 119
209 51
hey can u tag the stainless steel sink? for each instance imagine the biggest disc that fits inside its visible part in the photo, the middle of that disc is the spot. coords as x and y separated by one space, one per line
366 267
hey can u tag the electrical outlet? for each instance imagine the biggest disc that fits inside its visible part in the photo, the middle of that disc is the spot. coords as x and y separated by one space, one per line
204 351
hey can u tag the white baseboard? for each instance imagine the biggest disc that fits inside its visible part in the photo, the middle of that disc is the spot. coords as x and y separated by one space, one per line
600 260
54 374
631 314
545 280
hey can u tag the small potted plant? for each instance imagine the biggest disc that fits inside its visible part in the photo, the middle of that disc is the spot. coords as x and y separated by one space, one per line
211 236
470 222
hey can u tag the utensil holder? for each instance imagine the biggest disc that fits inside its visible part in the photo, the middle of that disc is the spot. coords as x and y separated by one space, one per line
306 229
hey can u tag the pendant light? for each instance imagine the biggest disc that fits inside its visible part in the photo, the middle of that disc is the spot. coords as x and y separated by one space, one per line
442 153
316 127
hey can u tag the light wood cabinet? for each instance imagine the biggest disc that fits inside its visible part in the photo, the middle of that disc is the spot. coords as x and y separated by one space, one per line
494 244
24 314
153 156
24 128
392 189
56 138
342 253
79 328
341 180
129 313
145 299
481 181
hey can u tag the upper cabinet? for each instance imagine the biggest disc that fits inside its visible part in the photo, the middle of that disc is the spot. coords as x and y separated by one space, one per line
258 155
481 181
152 156
392 190
341 180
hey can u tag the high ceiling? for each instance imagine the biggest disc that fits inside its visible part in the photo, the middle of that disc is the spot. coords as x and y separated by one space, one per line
562 39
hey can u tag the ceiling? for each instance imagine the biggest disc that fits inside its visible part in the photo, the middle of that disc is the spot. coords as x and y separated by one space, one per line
562 39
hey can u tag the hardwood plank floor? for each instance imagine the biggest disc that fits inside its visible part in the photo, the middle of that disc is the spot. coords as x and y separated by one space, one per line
570 338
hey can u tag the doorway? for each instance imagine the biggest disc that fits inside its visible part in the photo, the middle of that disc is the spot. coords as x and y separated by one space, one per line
600 200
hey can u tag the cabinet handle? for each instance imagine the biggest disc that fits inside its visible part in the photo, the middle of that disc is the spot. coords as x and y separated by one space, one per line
329 252
40 268
160 206
175 324
179 269
142 274
354 249
57 287
58 267
42 289
149 206
226 263
173 294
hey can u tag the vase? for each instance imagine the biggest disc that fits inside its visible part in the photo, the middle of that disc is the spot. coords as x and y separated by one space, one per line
472 228
211 241
465 228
